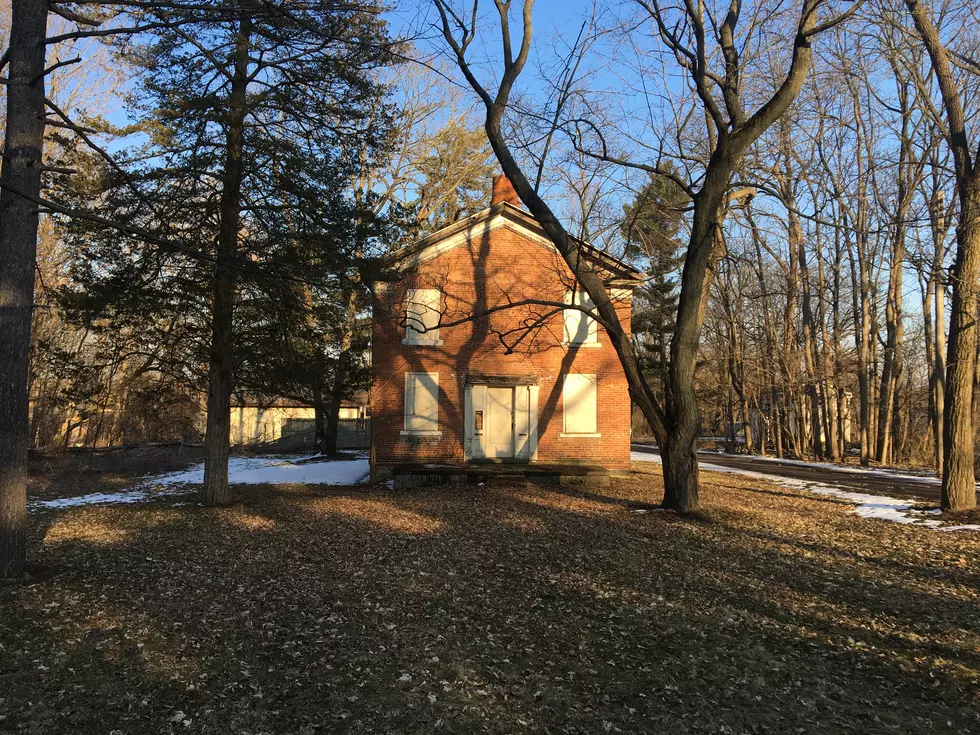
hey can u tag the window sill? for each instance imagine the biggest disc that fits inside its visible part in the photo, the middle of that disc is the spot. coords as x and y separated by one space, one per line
406 432
437 343
581 344
565 435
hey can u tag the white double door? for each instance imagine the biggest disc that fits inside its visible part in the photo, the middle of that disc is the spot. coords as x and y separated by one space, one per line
501 421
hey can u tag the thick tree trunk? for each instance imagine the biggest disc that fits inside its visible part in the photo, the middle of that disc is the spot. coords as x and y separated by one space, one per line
221 371
336 397
959 483
21 173
681 489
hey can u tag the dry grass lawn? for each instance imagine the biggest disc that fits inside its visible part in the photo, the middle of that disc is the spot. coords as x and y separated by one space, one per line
491 610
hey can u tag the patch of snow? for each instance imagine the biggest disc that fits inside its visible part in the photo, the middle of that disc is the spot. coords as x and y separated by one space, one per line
273 470
645 457
889 509
123 496
890 473
885 472
883 507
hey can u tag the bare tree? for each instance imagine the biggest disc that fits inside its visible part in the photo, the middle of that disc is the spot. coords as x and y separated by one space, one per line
716 74
958 484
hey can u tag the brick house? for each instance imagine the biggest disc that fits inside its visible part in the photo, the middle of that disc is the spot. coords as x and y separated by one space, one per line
477 380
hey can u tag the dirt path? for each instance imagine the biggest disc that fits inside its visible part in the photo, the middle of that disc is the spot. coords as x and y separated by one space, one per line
880 482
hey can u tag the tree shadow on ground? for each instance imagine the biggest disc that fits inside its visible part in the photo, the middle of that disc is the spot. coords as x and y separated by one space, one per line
502 609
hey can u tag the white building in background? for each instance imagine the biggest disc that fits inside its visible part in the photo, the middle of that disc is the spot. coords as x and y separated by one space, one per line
260 422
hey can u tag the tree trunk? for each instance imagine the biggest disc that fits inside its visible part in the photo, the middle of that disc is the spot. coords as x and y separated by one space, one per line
319 410
681 488
889 429
799 274
938 386
221 370
827 390
336 397
21 173
340 374
959 484
777 423
934 305
736 365
927 287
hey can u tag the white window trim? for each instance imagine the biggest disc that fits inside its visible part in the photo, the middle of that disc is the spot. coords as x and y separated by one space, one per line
416 338
413 343
565 435
420 432
587 345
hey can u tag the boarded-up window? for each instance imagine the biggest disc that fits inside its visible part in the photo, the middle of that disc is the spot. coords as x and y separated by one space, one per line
421 402
579 328
422 313
579 402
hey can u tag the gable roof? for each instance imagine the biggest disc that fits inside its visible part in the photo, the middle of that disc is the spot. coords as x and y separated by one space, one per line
504 215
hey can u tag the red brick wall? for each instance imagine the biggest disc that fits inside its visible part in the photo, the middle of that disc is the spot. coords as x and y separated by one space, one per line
499 268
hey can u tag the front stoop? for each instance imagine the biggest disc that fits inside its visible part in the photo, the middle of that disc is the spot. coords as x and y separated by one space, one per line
419 475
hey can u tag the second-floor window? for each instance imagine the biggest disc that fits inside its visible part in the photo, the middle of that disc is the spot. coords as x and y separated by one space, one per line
580 329
422 313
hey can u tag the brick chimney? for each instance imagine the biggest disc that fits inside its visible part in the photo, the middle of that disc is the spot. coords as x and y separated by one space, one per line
503 191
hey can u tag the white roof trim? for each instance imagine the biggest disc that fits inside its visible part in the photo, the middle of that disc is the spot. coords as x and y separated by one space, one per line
473 234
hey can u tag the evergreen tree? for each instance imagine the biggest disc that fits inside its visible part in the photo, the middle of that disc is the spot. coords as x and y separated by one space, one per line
240 197
650 226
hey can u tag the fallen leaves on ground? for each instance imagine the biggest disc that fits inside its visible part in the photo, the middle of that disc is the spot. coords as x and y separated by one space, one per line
499 609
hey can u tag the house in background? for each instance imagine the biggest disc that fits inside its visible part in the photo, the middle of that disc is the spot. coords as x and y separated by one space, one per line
257 420
467 371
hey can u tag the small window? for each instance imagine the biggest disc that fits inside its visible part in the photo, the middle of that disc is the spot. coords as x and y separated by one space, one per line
579 405
422 315
421 403
580 329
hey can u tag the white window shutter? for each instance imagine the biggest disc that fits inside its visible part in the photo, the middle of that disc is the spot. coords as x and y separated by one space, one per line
427 401
591 325
421 401
423 310
579 328
579 404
